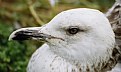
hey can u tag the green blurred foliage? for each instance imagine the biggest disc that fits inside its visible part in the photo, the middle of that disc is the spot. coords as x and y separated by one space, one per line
14 55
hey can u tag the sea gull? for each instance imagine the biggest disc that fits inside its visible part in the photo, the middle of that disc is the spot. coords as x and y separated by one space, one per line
76 40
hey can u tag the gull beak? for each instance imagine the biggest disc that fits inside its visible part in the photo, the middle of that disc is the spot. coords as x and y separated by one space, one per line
28 34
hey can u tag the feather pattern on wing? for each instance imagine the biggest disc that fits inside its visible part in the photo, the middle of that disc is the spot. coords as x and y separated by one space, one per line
114 16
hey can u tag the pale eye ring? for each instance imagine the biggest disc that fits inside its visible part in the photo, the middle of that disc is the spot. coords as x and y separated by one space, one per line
73 30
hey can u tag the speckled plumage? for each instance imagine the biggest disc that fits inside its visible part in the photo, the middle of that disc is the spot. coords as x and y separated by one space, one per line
92 49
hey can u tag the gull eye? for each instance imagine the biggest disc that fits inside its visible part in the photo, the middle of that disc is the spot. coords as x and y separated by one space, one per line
73 30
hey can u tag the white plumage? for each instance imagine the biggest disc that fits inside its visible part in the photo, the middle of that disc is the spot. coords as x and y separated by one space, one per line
77 40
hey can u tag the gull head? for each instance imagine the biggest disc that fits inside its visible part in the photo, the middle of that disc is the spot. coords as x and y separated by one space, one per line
78 35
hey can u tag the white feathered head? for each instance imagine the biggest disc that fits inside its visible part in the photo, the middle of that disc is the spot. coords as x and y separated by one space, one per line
82 35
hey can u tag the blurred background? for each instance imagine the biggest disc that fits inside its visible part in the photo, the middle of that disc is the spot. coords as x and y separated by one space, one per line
14 14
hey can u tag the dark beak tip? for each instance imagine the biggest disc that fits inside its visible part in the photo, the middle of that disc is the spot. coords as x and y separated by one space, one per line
18 36
25 33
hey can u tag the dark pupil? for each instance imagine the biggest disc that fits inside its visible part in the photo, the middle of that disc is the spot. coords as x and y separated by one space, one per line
73 30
